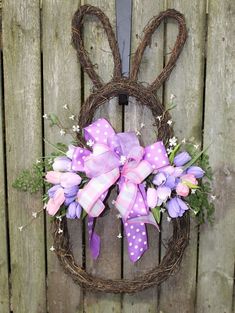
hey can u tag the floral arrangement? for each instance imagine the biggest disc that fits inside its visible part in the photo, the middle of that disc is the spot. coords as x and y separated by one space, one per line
152 181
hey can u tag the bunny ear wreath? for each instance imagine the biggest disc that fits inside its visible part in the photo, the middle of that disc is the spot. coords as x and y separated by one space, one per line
145 96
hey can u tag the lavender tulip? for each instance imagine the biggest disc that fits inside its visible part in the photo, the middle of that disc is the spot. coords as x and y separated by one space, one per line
52 190
163 193
62 164
159 179
176 207
182 158
74 210
196 171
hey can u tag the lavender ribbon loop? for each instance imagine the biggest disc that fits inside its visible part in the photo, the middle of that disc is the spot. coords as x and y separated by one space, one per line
105 166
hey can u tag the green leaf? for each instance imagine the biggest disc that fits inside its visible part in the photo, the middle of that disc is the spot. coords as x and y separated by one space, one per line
157 213
173 153
54 119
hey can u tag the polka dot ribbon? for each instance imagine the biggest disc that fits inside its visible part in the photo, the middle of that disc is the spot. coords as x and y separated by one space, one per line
118 158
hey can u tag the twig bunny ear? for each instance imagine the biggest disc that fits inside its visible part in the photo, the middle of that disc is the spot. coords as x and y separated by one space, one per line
148 32
77 25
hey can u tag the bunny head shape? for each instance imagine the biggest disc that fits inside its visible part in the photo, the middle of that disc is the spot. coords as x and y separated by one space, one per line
145 96
121 85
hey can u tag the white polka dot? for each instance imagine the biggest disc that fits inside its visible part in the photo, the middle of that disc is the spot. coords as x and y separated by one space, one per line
132 212
81 151
153 166
89 130
148 155
163 162
96 138
143 233
137 230
126 224
141 249
156 158
138 257
98 131
83 157
136 205
159 150
98 124
142 224
79 162
152 147
132 226
104 140
140 239
143 210
132 253
140 200
128 235
138 215
136 247
105 133
106 125
145 242
162 143
133 237
130 244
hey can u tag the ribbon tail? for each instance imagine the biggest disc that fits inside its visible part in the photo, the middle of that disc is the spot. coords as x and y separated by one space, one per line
94 239
126 199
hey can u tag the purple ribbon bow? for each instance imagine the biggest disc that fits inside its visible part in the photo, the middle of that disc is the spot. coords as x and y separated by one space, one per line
118 157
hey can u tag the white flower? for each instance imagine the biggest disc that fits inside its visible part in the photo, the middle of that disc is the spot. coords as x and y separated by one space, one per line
169 150
169 122
123 159
52 249
76 128
183 140
38 161
62 132
34 214
193 191
59 218
45 116
172 96
159 117
162 210
72 117
20 228
168 218
118 216
50 161
137 132
173 141
196 146
213 197
60 231
119 236
65 107
142 125
90 143
113 202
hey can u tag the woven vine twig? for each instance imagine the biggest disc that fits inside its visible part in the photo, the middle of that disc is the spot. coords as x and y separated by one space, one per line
145 96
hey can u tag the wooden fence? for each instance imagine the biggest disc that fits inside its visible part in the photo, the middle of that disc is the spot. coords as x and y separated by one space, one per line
39 74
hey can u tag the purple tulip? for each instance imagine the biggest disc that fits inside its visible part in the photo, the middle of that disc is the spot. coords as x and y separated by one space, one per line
159 179
62 164
52 190
182 158
170 182
74 210
196 171
176 207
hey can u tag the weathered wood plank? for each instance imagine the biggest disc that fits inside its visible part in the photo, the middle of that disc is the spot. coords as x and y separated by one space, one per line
217 243
186 83
62 85
22 82
152 63
4 282
108 264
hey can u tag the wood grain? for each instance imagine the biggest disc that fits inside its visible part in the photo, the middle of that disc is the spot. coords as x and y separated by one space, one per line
109 263
217 246
152 63
62 85
186 83
22 83
4 279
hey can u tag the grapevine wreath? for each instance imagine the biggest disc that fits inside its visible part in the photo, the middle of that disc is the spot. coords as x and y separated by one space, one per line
152 180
